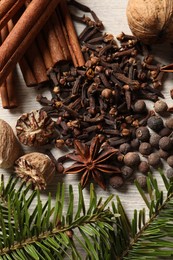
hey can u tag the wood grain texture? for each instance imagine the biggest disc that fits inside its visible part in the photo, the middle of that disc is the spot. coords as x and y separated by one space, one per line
113 15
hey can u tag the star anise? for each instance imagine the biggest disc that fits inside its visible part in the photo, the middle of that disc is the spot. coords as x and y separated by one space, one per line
92 162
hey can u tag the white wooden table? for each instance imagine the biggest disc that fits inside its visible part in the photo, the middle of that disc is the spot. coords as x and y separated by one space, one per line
113 15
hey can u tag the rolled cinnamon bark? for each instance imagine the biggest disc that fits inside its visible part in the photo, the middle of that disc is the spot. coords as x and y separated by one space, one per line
57 25
24 33
8 91
7 9
70 34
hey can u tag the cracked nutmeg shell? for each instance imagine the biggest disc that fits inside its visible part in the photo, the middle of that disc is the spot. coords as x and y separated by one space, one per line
151 21
35 128
10 148
35 168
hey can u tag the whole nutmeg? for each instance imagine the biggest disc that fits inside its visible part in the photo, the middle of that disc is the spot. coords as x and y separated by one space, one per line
35 128
151 20
35 168
10 149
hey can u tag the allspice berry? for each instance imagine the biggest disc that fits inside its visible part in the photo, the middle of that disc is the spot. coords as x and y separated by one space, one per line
160 106
170 160
142 133
142 180
131 159
154 159
135 144
144 167
165 143
169 173
155 123
169 122
154 140
126 171
124 148
116 181
165 132
145 148
139 106
35 168
163 154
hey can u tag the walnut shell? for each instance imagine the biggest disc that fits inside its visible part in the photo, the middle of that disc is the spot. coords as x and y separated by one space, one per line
36 168
35 128
151 21
10 148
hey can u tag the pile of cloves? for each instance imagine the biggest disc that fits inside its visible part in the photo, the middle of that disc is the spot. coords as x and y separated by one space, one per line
106 97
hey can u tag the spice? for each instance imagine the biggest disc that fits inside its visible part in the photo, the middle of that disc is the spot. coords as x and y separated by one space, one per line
170 160
10 148
131 159
35 168
155 123
144 167
154 140
142 180
91 162
116 181
145 148
160 107
127 172
35 128
142 133
140 106
154 159
169 122
165 143
26 29
169 173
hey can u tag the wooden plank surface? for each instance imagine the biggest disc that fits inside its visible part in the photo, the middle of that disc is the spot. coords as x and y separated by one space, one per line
113 15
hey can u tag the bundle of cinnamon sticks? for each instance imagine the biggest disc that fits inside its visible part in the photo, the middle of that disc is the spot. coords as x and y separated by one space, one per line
39 34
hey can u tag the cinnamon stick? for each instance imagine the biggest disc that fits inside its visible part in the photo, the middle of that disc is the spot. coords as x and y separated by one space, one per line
23 34
70 34
7 9
53 43
57 25
44 51
8 92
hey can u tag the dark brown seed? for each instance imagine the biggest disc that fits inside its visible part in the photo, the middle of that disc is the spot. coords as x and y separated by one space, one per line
144 167
163 154
142 180
135 144
140 106
160 106
169 173
155 123
116 181
170 160
125 148
131 159
142 133
165 132
169 122
127 172
145 148
154 159
165 143
154 140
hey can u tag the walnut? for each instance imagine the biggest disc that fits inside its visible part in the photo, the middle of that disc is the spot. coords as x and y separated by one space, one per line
151 21
36 168
10 148
35 128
